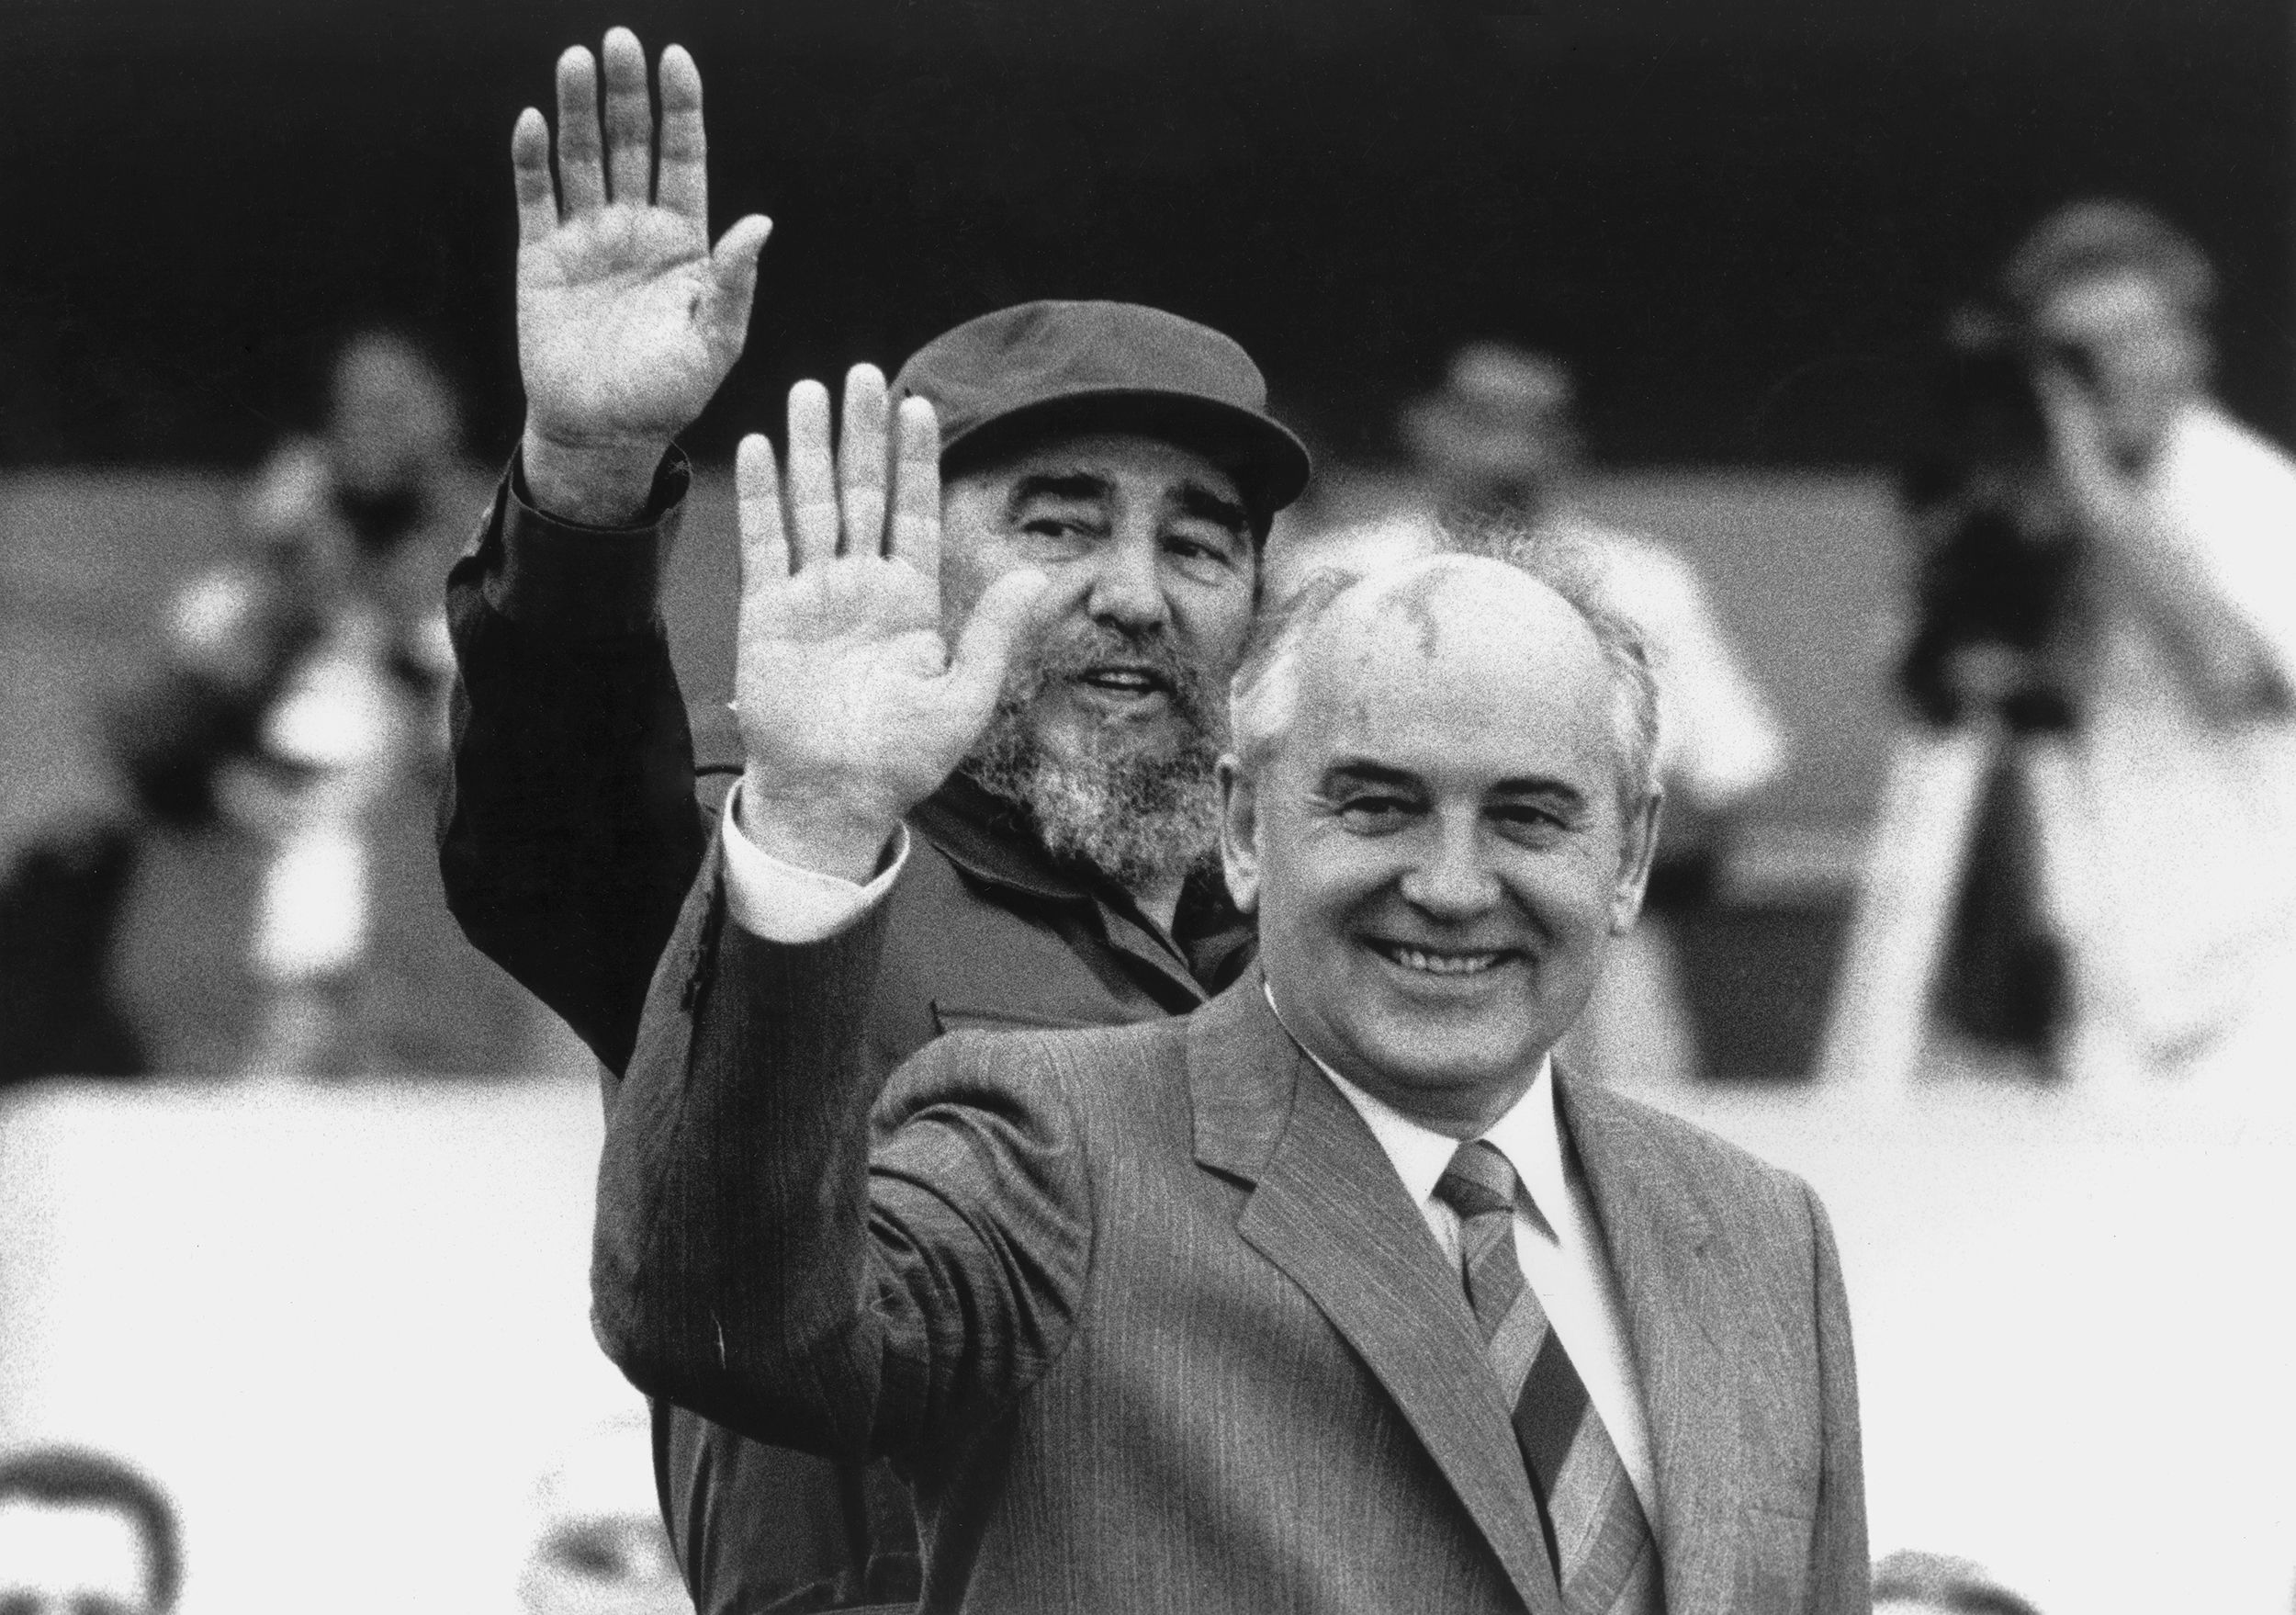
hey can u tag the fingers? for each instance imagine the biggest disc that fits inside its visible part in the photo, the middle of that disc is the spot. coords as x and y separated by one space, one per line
862 461
915 535
581 171
757 515
732 284
530 173
682 182
813 507
1003 617
629 122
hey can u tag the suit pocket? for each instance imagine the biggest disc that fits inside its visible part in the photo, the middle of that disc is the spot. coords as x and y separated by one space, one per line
949 1017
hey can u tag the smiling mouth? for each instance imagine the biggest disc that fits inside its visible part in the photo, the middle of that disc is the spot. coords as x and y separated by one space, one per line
1124 681
1445 961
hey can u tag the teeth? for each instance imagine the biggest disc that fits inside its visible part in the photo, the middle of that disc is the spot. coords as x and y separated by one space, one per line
1443 964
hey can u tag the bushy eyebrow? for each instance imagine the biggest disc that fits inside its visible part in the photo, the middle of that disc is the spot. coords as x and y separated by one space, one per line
1192 499
1076 487
1206 506
1364 771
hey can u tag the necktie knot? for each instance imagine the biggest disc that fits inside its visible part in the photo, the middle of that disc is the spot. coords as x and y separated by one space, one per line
1478 1181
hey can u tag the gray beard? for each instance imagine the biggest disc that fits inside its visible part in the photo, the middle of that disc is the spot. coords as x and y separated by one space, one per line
1136 812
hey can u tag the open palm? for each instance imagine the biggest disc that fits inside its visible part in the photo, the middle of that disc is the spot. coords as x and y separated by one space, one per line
627 321
853 706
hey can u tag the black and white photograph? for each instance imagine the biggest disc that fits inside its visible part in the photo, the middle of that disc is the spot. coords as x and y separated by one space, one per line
1185 807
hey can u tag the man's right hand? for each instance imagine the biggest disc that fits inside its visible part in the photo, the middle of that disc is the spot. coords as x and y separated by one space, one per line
627 321
853 706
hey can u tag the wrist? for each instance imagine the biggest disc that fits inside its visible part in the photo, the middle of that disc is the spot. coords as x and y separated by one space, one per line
598 483
828 837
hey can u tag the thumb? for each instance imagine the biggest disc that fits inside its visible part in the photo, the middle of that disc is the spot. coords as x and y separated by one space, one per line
1003 615
734 274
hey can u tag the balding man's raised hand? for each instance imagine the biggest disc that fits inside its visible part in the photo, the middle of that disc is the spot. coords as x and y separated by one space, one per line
853 706
627 320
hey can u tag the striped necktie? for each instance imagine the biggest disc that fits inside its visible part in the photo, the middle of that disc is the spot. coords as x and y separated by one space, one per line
1605 1559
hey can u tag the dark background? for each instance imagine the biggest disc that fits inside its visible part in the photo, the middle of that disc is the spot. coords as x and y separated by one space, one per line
1741 217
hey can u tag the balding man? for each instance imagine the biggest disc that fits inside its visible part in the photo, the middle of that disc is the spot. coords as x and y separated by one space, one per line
1333 1296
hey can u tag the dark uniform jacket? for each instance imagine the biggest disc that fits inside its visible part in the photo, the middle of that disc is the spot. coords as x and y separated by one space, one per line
569 836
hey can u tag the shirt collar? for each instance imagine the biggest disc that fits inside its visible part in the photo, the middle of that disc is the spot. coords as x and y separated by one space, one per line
1527 1135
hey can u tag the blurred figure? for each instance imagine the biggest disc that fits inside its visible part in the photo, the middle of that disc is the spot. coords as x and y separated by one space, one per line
82 1533
1498 447
295 711
1914 1583
1997 669
180 736
2178 892
361 521
2103 803
599 1547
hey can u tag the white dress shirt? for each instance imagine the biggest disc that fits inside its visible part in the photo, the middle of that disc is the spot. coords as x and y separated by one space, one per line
1566 1268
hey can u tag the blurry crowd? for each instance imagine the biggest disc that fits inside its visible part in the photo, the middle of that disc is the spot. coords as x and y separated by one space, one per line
2098 683
2095 675
264 772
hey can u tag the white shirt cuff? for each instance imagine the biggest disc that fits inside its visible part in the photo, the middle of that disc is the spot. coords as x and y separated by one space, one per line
779 902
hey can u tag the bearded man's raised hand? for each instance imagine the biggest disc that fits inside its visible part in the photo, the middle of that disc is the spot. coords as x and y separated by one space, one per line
853 704
627 319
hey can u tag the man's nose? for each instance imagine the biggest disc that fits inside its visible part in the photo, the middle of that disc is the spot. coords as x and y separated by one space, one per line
1449 876
1127 583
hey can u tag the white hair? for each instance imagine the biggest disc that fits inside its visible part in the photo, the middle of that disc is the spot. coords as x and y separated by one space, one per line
1264 696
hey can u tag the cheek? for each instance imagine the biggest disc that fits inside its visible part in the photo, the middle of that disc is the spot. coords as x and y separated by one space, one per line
1215 618
1315 887
1567 892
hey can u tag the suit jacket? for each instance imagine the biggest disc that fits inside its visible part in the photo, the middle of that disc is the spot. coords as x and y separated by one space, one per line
1151 1323
569 837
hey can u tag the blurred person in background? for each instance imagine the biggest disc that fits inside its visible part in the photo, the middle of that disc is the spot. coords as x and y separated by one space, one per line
291 728
1497 448
359 520
1911 1582
2183 847
82 1533
599 1546
2105 648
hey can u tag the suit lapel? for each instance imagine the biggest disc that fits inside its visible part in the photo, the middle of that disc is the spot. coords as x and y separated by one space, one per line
1328 1210
1664 1252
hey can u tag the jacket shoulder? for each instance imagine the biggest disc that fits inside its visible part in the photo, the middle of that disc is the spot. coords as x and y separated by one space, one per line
1730 1181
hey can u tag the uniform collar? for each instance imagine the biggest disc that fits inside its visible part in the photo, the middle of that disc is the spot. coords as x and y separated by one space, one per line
991 841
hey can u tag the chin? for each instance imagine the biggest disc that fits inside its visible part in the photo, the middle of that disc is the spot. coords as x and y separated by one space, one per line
1431 1057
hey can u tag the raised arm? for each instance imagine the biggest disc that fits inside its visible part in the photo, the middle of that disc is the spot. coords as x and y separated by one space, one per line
570 832
742 1266
627 319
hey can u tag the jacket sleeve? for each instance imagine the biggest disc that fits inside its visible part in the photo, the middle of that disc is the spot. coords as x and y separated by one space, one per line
569 831
1841 1566
755 1263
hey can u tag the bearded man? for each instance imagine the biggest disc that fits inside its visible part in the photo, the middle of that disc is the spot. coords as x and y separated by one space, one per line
1065 874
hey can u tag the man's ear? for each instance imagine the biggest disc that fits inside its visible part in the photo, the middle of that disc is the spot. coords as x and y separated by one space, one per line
1239 833
1638 846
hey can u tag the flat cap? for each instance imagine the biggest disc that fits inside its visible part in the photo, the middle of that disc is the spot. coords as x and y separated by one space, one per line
1022 372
